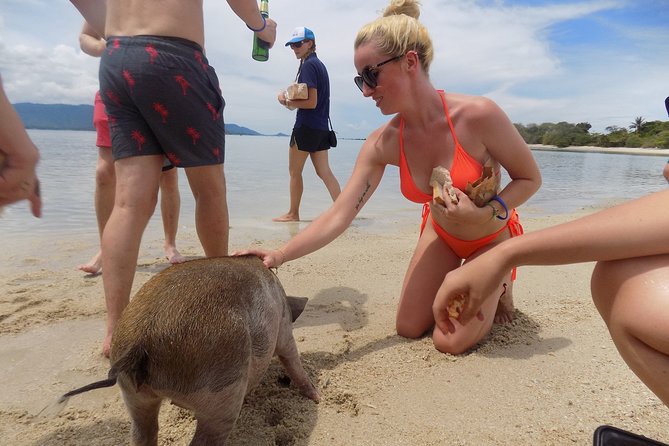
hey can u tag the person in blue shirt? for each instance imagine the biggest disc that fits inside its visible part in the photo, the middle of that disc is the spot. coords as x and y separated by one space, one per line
310 137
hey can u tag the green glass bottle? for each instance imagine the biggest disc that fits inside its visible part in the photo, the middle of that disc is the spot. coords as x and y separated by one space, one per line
260 47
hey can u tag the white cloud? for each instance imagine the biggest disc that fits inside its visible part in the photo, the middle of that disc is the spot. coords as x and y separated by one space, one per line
49 75
481 47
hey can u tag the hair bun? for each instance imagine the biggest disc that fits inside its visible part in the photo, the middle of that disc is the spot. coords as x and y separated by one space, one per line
410 8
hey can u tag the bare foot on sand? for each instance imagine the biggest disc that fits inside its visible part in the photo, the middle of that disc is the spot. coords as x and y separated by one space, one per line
287 217
505 308
94 266
173 255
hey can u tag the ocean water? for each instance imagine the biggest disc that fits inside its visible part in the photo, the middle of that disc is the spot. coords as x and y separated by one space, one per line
257 180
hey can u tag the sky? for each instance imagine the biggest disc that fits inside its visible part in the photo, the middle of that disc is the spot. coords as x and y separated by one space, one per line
605 62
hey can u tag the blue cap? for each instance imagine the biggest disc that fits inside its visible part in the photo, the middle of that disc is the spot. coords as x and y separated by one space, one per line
301 33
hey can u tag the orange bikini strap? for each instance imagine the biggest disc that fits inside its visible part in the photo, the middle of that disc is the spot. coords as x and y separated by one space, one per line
403 157
448 117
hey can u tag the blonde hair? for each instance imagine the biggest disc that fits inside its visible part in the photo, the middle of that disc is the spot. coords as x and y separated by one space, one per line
399 31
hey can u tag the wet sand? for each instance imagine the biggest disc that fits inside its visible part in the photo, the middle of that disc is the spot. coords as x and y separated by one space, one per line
550 378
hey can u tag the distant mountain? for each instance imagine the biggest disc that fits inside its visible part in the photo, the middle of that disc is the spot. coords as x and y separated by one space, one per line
80 117
56 116
234 129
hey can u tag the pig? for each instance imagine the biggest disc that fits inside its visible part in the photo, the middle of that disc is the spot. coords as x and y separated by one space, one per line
202 334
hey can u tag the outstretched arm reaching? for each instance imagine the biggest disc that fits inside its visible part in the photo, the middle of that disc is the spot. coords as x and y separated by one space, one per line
636 228
364 180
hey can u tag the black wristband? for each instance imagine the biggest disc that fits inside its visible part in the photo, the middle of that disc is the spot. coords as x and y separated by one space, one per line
264 25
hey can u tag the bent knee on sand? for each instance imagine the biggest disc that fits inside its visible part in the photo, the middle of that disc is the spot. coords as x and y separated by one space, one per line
452 343
411 330
456 343
452 348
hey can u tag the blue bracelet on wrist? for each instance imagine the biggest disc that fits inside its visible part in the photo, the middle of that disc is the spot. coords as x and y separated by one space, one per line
498 199
264 25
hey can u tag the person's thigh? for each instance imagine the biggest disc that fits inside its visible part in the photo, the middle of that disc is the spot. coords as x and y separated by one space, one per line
430 262
207 182
632 295
101 123
211 209
105 155
296 160
320 161
137 180
633 298
169 179
105 172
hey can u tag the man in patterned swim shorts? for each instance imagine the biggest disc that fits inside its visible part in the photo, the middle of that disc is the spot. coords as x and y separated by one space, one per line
163 99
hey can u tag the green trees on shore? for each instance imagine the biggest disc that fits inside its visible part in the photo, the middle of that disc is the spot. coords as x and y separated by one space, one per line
651 134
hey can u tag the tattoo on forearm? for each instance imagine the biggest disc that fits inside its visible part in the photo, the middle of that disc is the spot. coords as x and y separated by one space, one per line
362 197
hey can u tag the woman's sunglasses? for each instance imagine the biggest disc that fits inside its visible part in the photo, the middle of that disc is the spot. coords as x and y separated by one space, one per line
297 44
368 75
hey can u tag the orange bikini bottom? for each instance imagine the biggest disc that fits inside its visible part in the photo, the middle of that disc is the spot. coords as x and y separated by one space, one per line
465 248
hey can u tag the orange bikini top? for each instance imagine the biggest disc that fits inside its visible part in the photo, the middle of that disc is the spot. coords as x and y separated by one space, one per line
463 169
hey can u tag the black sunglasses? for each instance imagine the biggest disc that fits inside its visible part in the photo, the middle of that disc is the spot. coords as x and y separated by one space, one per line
368 75
297 44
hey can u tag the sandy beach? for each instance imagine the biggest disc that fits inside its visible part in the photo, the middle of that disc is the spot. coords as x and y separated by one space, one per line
550 378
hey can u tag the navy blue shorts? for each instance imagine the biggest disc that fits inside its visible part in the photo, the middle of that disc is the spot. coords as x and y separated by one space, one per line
310 140
162 98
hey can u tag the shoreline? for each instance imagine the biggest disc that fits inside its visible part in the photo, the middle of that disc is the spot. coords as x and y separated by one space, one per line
549 378
607 150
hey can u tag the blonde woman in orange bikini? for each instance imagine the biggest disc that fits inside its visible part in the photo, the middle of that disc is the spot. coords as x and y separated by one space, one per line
629 282
429 128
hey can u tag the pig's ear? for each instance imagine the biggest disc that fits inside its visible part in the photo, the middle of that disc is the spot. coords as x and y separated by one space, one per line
296 305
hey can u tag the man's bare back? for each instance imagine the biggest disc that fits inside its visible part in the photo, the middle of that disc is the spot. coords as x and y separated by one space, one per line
175 18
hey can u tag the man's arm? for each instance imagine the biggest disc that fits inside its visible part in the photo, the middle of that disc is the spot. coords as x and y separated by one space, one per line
90 41
248 11
95 13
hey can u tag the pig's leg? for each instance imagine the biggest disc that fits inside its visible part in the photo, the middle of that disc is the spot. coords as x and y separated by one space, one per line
286 349
143 407
216 413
